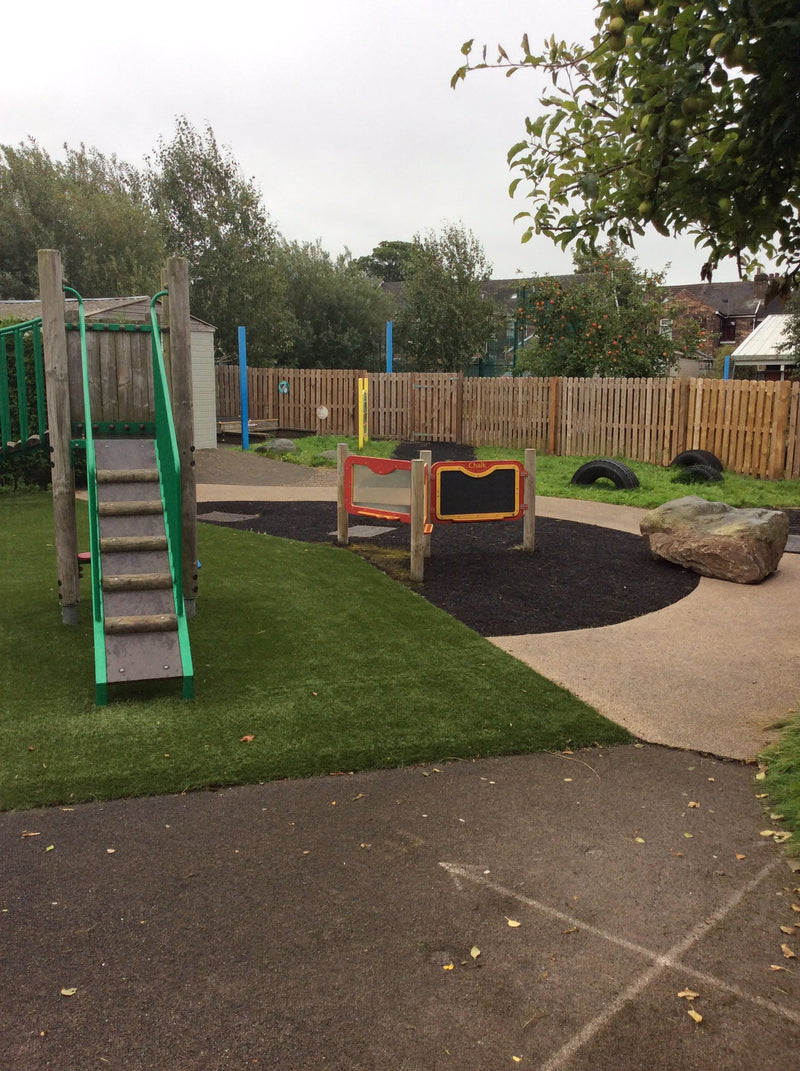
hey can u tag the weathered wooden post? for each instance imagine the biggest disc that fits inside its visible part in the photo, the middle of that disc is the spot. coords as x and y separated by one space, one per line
529 519
342 536
418 520
59 422
427 457
181 361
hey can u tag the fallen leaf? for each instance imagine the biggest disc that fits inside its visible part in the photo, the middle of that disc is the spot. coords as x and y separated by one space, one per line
739 855
787 952
567 778
573 930
692 803
761 775
25 833
761 795
789 930
711 778
447 967
639 840
69 992
360 796
777 817
795 907
247 739
777 967
512 922
474 951
110 851
688 835
767 833
688 994
517 1059
50 848
782 837
698 1018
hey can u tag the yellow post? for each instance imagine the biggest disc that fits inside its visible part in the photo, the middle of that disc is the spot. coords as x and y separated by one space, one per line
363 411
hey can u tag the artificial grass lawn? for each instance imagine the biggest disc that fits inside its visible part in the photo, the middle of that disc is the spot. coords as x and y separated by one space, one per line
327 663
782 782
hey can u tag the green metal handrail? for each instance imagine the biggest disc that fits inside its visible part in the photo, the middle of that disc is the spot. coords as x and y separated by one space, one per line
19 429
100 666
169 469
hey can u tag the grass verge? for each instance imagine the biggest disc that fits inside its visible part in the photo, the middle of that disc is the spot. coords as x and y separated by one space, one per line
553 475
324 661
781 764
310 449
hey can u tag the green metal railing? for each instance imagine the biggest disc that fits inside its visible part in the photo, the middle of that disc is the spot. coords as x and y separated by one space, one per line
169 469
23 406
98 628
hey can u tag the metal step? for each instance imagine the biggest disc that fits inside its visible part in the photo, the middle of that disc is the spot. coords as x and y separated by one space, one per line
143 656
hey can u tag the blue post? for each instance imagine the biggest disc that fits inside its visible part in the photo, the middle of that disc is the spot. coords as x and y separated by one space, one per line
727 370
243 388
389 345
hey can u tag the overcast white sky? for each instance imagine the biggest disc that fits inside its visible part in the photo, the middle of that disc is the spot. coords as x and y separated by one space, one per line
341 110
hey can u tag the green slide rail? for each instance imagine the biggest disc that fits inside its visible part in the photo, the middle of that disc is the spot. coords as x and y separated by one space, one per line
169 469
98 619
23 405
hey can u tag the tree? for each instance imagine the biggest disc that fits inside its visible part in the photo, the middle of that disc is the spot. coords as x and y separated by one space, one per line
215 217
681 114
790 346
387 261
443 320
89 206
610 319
338 312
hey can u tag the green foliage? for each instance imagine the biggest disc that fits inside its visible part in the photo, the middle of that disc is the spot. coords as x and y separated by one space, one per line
90 207
444 322
790 347
338 313
782 762
603 322
680 114
214 216
388 261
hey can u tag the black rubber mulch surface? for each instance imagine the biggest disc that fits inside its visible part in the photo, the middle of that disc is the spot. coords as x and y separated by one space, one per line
580 576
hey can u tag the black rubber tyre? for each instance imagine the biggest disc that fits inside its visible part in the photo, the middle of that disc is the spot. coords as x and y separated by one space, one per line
698 473
697 457
621 476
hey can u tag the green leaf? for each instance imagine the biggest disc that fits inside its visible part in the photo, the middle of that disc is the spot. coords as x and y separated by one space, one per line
466 48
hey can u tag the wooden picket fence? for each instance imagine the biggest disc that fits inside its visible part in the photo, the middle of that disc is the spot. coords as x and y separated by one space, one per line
752 426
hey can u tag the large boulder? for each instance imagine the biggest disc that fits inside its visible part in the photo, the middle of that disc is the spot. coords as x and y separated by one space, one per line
710 538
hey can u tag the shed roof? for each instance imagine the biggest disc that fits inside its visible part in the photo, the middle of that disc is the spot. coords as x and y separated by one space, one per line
762 343
133 309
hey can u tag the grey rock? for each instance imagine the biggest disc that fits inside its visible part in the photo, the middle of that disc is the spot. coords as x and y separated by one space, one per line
280 446
329 455
717 540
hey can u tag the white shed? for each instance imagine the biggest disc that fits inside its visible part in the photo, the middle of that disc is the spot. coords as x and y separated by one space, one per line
759 357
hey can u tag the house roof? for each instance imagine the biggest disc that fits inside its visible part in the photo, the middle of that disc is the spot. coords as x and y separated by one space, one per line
131 309
762 344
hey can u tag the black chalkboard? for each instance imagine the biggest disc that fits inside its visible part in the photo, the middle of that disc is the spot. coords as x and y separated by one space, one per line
480 493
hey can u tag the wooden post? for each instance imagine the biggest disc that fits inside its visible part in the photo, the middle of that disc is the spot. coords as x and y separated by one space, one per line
427 457
553 437
181 357
780 427
59 422
418 520
529 519
165 330
342 536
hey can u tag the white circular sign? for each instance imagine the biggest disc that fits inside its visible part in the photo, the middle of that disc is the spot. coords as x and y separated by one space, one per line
322 412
